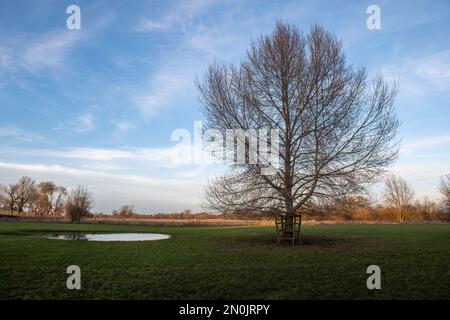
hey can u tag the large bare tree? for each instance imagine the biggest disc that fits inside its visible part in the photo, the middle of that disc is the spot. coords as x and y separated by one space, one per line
337 125
398 194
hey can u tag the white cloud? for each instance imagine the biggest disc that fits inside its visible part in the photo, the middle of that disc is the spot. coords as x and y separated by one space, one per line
422 75
424 178
86 122
37 53
16 133
58 169
122 126
171 82
181 14
422 162
83 123
148 104
148 25
88 154
49 50
427 143
44 55
151 154
435 67
113 190
169 157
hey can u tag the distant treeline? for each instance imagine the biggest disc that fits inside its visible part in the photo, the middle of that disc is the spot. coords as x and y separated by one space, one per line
187 214
357 208
45 199
27 197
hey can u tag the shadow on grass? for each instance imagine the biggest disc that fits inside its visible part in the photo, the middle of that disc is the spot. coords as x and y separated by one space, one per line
307 242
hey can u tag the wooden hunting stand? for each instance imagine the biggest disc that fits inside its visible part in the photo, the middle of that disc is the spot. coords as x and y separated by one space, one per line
287 229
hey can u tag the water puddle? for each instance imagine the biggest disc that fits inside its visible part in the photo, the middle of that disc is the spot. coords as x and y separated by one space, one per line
110 236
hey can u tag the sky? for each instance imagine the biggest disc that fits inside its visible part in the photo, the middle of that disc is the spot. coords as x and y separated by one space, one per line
98 106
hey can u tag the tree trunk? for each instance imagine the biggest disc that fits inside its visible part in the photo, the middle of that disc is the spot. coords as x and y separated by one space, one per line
288 228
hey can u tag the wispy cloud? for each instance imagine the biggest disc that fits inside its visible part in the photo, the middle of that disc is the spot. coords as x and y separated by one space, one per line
198 41
33 54
159 155
165 86
148 25
49 50
422 162
83 123
86 123
427 143
18 134
176 161
44 53
122 126
422 75
181 15
435 69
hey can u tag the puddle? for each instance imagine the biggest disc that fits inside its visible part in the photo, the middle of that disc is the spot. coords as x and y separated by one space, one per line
110 236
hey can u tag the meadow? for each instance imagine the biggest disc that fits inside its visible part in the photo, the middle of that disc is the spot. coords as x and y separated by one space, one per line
226 263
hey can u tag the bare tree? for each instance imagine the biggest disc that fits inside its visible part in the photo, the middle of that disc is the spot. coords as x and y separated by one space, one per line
444 188
428 209
49 198
3 197
336 126
398 194
9 197
41 200
59 200
25 191
126 211
78 204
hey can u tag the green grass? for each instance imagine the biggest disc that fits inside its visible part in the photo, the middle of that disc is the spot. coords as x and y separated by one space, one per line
227 263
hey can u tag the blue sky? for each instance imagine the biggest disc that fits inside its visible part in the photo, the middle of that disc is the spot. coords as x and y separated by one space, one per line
97 106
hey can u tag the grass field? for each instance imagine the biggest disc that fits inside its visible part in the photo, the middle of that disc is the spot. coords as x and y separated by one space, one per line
227 263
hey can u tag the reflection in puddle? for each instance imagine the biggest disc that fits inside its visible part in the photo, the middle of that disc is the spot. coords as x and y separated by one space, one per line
110 236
